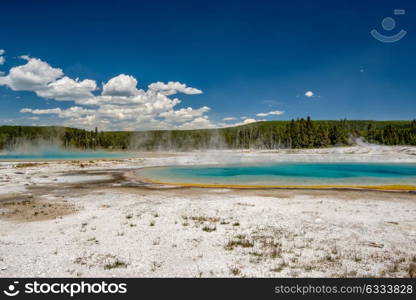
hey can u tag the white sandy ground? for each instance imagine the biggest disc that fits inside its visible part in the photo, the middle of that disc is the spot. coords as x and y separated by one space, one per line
132 231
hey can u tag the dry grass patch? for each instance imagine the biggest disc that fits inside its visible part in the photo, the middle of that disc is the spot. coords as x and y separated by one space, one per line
116 264
106 261
240 240
264 246
209 228
236 271
28 165
209 224
35 210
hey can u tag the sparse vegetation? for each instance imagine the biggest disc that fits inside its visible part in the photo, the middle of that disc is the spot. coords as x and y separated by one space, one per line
202 219
279 267
28 165
208 223
155 265
93 240
412 270
235 271
239 241
209 228
35 209
116 264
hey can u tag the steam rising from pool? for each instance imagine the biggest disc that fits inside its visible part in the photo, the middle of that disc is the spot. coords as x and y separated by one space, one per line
53 152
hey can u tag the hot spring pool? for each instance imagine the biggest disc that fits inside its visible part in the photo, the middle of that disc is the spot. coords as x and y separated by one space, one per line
59 155
287 175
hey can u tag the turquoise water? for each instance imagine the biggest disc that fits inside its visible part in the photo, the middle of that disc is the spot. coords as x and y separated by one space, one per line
58 155
289 173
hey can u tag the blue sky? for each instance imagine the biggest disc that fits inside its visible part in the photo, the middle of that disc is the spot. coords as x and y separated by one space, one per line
246 57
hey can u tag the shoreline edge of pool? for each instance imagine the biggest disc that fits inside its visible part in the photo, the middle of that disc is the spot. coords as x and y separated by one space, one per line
380 179
401 188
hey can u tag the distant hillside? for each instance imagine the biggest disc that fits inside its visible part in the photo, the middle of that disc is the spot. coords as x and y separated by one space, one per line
300 133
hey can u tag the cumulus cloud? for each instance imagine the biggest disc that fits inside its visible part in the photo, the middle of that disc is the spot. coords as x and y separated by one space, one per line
46 81
184 114
271 113
171 88
198 123
120 105
33 76
309 94
67 89
121 85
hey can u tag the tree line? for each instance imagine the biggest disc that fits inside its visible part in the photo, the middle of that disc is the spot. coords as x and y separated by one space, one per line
299 133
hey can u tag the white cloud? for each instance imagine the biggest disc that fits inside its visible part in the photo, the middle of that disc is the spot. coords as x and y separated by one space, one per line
309 94
121 85
41 111
121 105
73 112
229 119
184 114
67 89
198 123
33 76
274 113
47 82
2 59
248 121
245 122
171 88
